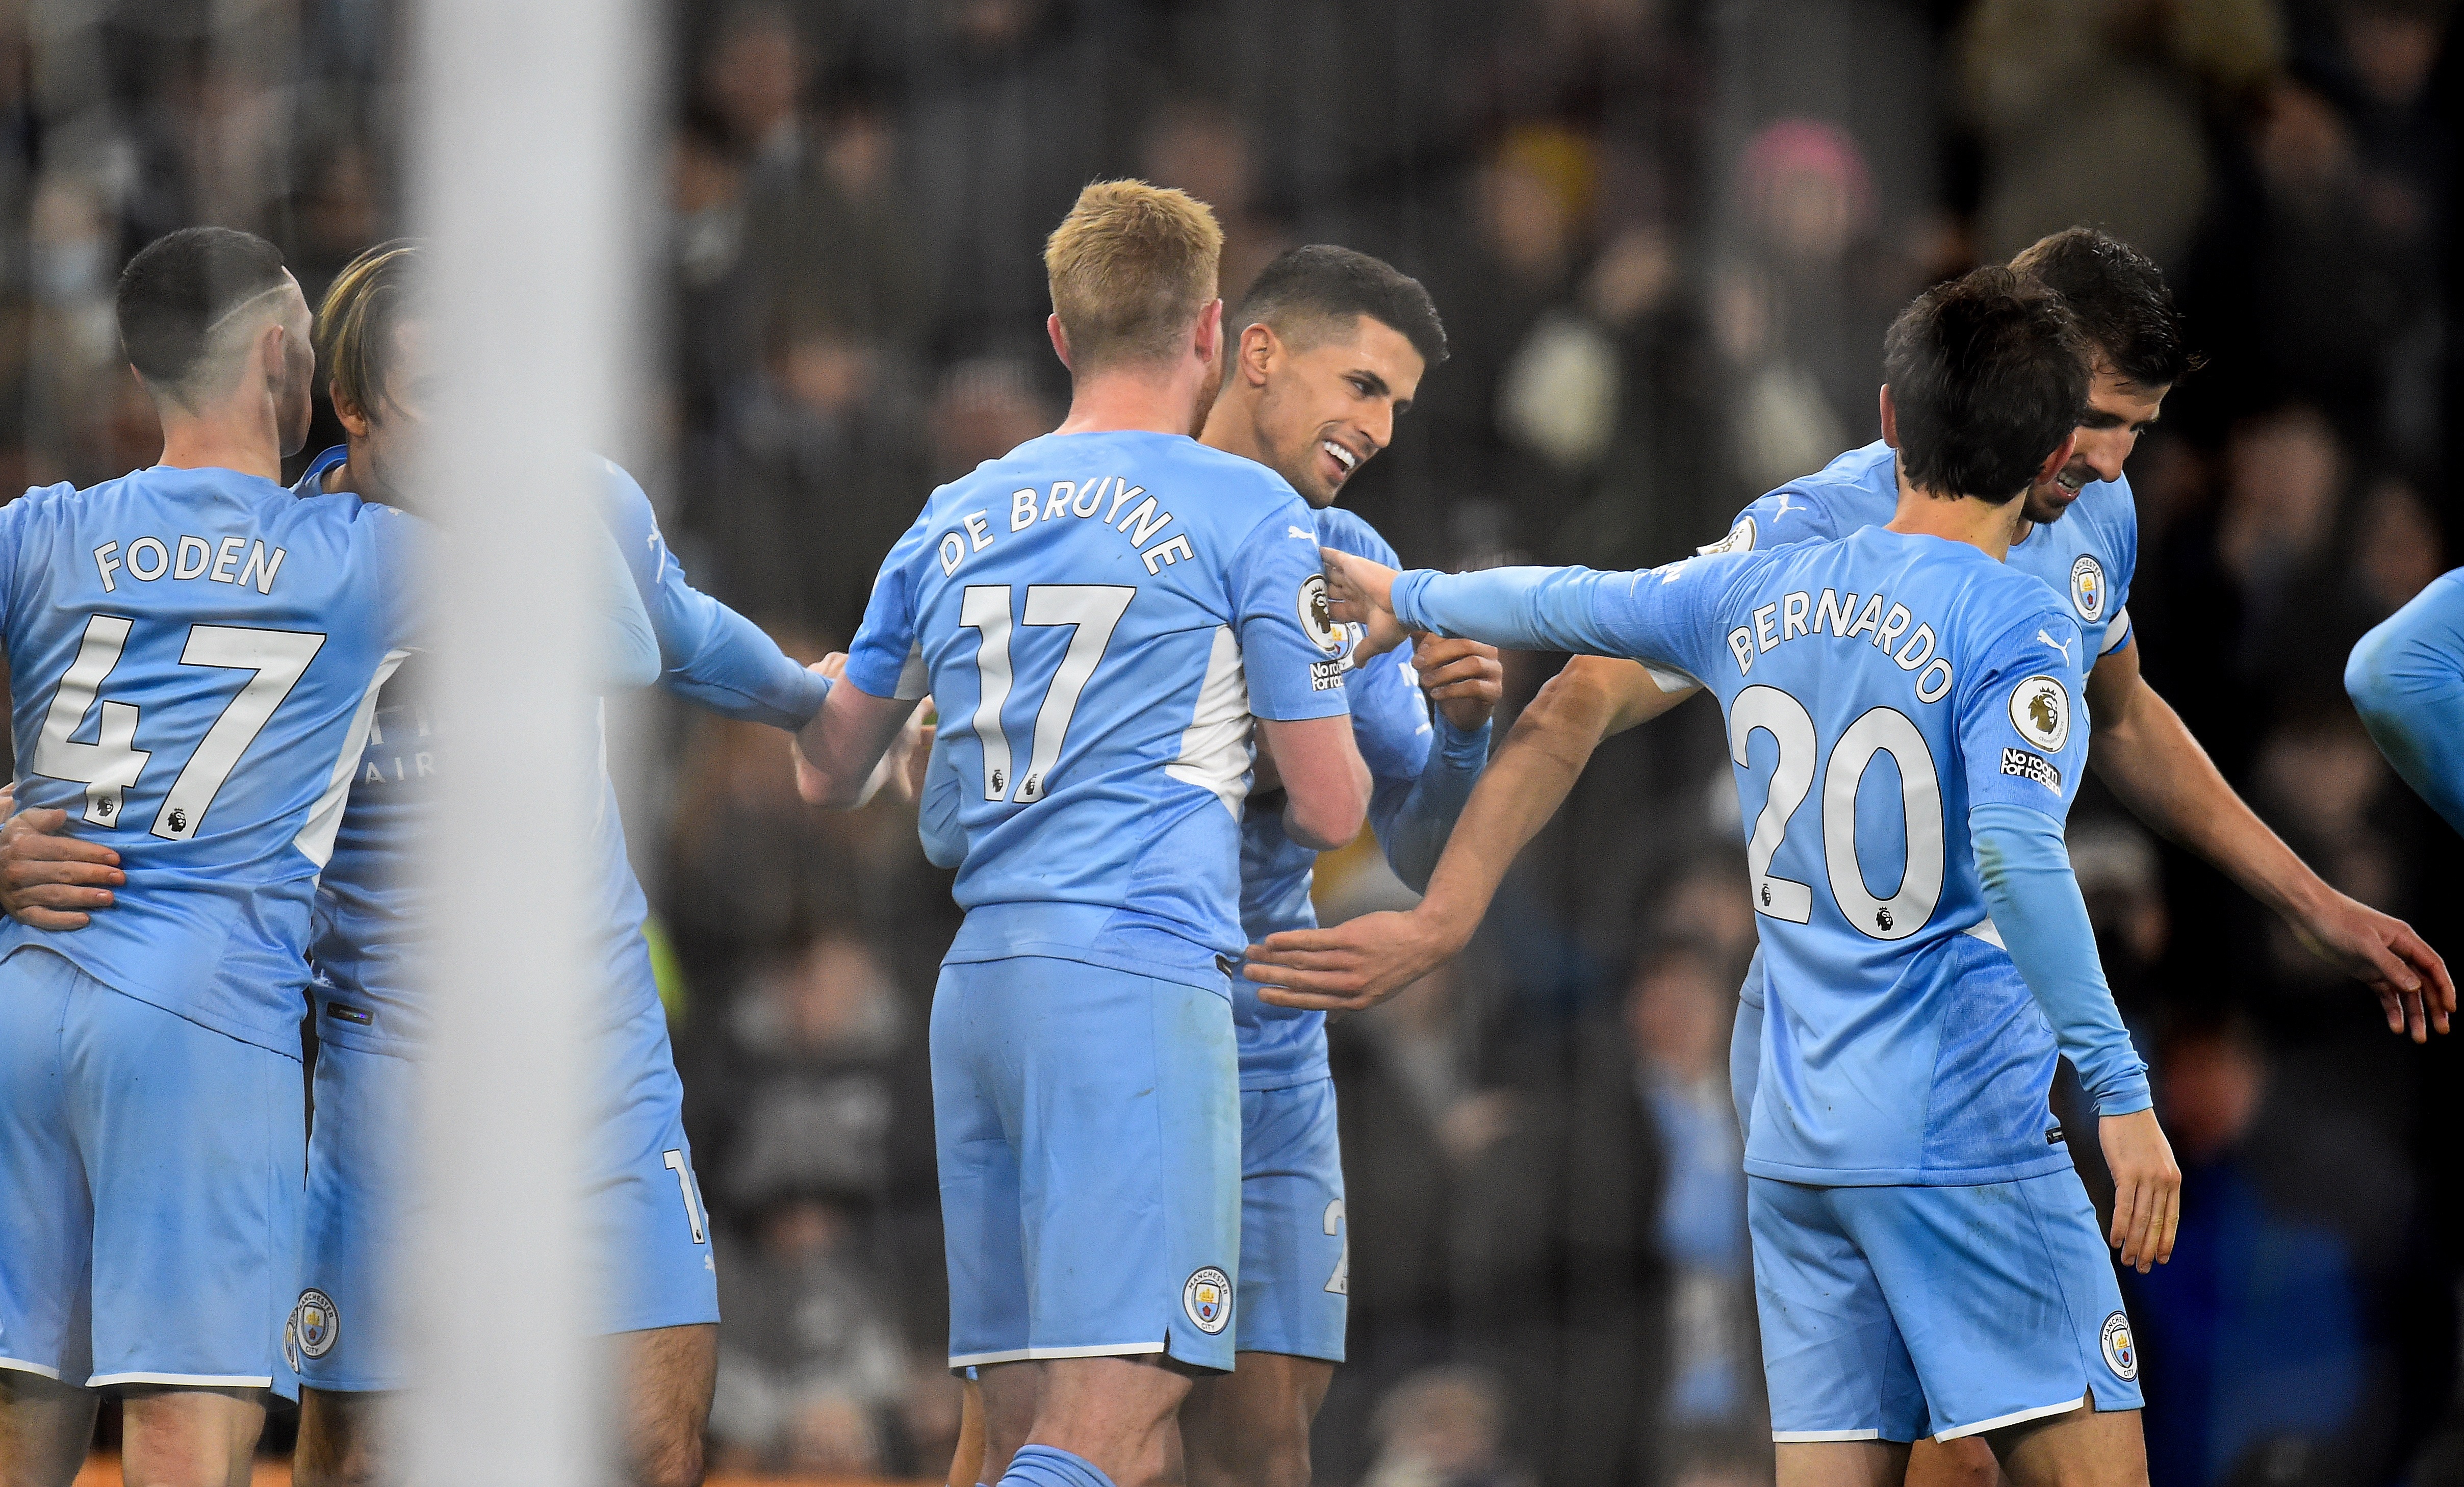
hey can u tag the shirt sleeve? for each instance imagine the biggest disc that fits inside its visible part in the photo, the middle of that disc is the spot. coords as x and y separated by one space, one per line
1414 818
1795 513
706 652
629 651
2407 681
1656 616
2116 627
884 659
1291 652
2023 725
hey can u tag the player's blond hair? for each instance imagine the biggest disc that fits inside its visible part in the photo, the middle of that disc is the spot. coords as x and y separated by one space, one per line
1131 267
355 324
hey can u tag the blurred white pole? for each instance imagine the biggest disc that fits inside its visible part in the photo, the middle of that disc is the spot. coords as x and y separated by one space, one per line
524 152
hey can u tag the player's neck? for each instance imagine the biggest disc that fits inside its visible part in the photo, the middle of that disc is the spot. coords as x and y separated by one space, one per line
1961 519
1151 401
243 439
1231 429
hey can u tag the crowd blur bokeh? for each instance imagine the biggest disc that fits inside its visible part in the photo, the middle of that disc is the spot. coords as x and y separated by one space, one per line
1665 236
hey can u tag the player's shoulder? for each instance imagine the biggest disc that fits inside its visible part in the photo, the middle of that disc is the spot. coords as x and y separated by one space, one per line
1858 488
1346 531
1240 493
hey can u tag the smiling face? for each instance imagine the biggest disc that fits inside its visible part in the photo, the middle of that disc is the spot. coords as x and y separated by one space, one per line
1326 405
2119 410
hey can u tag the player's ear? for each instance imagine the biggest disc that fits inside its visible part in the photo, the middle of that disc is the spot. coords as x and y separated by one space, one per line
1060 339
1890 419
1259 347
1210 332
354 419
2054 462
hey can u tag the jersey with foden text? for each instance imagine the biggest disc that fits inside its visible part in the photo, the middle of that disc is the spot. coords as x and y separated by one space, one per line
1876 690
1097 616
374 924
194 658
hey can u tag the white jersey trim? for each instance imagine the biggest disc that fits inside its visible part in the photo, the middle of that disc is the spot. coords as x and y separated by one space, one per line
1220 744
1985 930
1669 681
21 1365
316 839
2014 1417
186 1380
1038 1354
2116 633
1816 1437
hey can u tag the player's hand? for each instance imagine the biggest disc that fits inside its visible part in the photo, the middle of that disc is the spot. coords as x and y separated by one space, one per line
2146 1187
1464 678
2382 952
916 739
49 879
1362 593
810 784
1352 965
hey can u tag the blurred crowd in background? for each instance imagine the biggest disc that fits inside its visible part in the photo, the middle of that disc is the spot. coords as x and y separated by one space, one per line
1665 236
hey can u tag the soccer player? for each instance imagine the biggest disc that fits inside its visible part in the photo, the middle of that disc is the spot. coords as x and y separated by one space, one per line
193 652
2080 535
1106 618
643 1204
1333 346
2407 678
1927 1263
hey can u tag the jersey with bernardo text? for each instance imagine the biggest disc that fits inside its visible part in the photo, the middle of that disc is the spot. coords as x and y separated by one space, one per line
1876 689
194 658
1098 617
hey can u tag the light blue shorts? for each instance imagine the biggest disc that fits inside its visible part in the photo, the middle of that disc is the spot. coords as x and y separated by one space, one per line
150 1189
1892 1313
1089 1125
1295 1247
642 1208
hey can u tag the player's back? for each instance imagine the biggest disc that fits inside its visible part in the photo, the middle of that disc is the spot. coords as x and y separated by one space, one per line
1876 689
1096 616
194 656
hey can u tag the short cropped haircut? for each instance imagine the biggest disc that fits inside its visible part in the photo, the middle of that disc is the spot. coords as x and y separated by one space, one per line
2121 300
181 289
1131 267
1989 375
1312 290
355 324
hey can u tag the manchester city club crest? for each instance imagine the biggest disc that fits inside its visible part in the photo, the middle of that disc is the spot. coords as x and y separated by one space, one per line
2087 587
2121 1353
1207 1298
315 1324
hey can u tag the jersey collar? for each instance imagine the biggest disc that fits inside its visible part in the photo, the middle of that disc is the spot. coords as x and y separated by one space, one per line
312 480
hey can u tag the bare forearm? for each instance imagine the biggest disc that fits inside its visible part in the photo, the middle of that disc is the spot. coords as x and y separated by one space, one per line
1523 785
2149 760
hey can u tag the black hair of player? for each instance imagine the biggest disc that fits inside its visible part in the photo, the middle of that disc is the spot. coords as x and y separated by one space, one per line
2121 300
1322 282
178 289
1988 374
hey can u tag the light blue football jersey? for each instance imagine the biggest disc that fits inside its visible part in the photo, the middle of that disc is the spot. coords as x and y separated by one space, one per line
2090 556
2407 681
372 921
1098 617
1876 690
194 661
1397 737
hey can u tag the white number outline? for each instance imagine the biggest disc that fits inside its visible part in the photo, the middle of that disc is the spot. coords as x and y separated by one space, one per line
110 766
1339 1283
1878 731
676 1163
1792 728
1092 611
1883 730
274 660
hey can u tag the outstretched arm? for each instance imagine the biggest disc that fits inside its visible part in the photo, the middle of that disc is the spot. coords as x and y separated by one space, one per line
2406 679
1361 962
839 753
2147 757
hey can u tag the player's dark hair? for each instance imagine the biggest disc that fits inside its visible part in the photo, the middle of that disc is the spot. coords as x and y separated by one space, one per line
1989 375
1320 284
178 290
2121 300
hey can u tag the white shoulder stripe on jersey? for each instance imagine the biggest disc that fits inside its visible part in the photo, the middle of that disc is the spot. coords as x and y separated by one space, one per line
1216 748
2116 633
316 839
1984 929
1670 681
